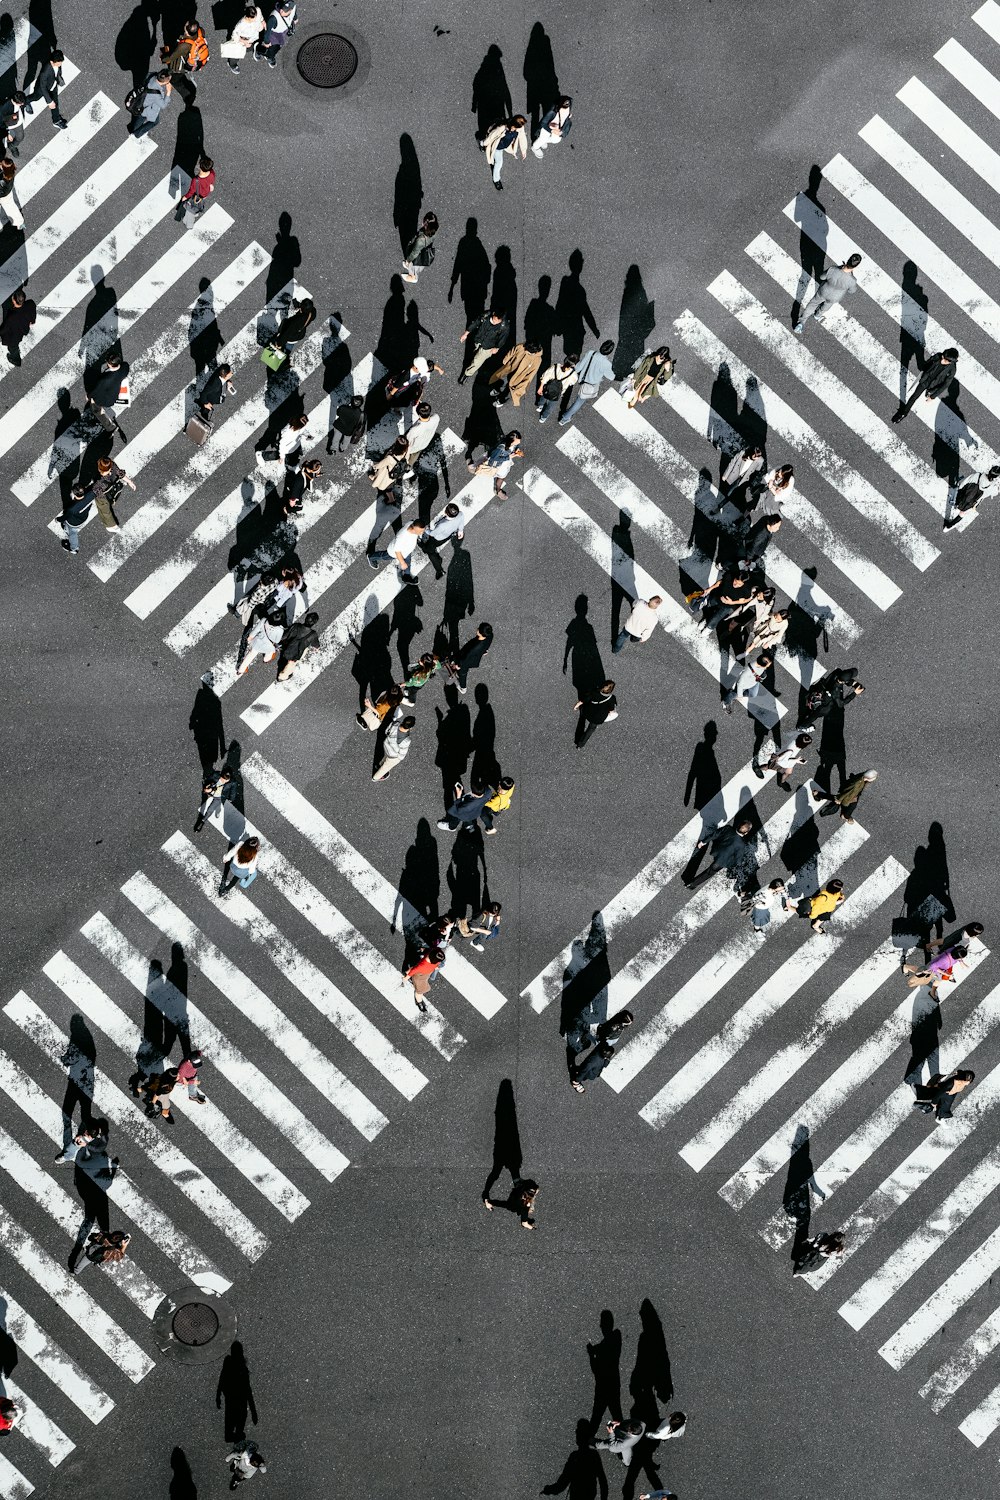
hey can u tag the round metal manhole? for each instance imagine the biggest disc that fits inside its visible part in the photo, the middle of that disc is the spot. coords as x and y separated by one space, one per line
327 61
195 1324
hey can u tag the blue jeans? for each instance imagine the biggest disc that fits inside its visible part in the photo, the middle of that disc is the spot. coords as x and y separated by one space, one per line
572 409
624 638
72 536
247 879
546 405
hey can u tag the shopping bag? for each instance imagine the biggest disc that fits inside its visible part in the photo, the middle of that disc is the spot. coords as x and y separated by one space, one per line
235 50
273 358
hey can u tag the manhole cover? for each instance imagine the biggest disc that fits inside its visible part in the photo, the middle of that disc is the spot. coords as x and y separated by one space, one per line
194 1323
327 61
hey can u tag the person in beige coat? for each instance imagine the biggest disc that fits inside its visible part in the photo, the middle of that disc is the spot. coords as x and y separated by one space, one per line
519 368
510 137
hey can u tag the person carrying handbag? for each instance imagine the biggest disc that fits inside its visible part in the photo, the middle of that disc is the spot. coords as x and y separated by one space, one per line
419 252
560 377
299 316
107 1247
244 35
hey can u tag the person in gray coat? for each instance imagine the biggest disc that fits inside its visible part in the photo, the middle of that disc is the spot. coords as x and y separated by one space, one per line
834 286
158 89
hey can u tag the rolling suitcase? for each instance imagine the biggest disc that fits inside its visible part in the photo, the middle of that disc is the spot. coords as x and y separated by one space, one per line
199 430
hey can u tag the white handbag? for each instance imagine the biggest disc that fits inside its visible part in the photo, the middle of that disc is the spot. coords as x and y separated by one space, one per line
232 49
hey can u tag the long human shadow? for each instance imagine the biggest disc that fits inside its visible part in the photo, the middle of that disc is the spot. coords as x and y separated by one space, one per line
182 1485
459 600
800 1184
704 778
623 585
583 1472
540 322
582 654
507 1155
234 1392
206 725
636 321
372 665
585 980
605 1364
572 311
485 765
503 293
405 624
470 272
491 101
912 324
465 884
454 741
79 1059
810 215
205 337
419 882
408 191
541 81
927 903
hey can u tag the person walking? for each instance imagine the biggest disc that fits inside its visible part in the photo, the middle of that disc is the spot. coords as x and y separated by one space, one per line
767 635
940 970
821 907
448 526
9 206
373 715
509 138
518 369
651 372
671 1427
156 1091
350 422
75 513
770 489
971 938
520 1200
298 638
10 1414
403 547
396 745
756 542
590 371
293 440
419 253
218 385
608 1034
498 804
552 387
298 482
12 122
218 787
935 379
151 101
419 674
466 807
600 708
978 487
480 929
484 337
941 1093
554 126
19 315
200 189
766 903
848 797
755 679
419 436
111 480
814 1252
47 86
299 315
784 761
498 463
188 56
245 1462
741 471
187 1074
107 1246
244 857
640 624
836 283
246 34
420 974
733 849
105 392
262 639
405 391
622 1438
471 655
277 32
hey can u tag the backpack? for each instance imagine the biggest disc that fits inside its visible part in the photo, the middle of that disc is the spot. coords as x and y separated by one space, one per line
136 97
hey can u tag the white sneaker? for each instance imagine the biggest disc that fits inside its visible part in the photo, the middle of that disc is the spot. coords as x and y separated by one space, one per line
535 152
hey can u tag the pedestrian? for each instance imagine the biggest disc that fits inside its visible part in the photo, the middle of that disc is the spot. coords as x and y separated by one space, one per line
814 1252
150 101
298 482
785 761
10 1414
934 382
516 372
18 320
481 928
448 526
940 970
741 470
262 639
836 283
971 938
403 547
498 804
187 57
756 542
594 367
405 391
12 122
419 975
726 599
608 1035
9 206
299 637
419 436
107 1246
111 480
420 251
300 313
187 1074
553 385
279 28
835 689
498 463
372 715
768 634
848 797
218 787
978 487
244 857
520 1200
471 655
640 624
386 475
76 511
600 708
484 337
200 188
47 86
245 34
419 674
554 126
509 138
272 592
439 933
820 908
466 808
651 372
293 439
218 385
396 745
156 1089
622 1439
733 849
245 1462
771 488
105 391
671 1427
766 903
940 1094
658 1495
350 422
753 680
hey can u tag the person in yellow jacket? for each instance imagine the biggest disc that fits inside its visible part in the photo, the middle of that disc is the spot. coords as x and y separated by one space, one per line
825 902
519 368
498 803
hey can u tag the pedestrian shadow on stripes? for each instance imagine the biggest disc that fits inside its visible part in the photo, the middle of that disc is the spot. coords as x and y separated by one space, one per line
925 1038
263 528
624 589
420 879
951 431
800 1184
810 214
8 1348
927 903
469 890
704 778
286 258
205 338
912 326
582 654
405 624
584 998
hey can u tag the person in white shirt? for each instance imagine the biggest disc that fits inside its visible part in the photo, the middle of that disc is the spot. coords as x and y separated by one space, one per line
765 904
640 624
978 487
293 441
785 761
554 126
420 436
396 745
245 1463
403 547
672 1426
246 34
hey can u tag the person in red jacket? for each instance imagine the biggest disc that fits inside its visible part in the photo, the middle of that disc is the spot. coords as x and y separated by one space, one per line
201 189
420 975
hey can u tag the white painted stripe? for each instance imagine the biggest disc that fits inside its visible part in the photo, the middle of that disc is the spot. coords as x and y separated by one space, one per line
124 1114
252 1003
40 1187
38 1428
983 1420
364 879
155 1226
917 1249
970 73
25 413
810 597
73 1300
897 304
628 498
856 490
975 1271
638 584
75 210
64 1372
258 1089
946 273
952 1375
635 1054
863 573
940 418
839 399
310 903
964 141
751 1097
13 1484
861 1145
773 994
225 441
248 496
300 971
61 148
988 17
320 576
263 712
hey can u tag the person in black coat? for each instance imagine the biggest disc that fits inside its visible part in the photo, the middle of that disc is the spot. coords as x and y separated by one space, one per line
18 321
471 655
47 86
104 392
296 641
935 378
595 711
217 387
